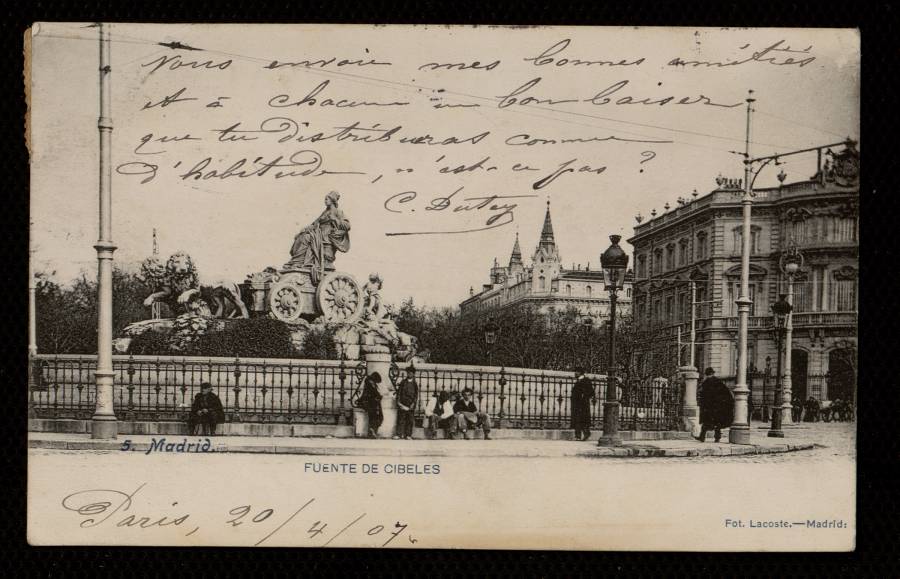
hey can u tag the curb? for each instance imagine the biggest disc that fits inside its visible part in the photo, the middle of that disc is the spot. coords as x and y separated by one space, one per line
626 451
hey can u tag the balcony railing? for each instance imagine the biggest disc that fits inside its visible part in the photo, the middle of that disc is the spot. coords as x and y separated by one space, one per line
825 319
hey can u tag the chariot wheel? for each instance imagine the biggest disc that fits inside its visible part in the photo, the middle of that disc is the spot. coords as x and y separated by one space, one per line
340 298
286 301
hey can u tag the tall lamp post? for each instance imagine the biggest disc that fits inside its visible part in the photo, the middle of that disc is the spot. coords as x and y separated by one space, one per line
614 262
780 311
791 261
765 403
491 333
588 322
103 422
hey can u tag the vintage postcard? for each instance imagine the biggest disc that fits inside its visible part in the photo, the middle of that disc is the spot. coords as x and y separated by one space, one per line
561 288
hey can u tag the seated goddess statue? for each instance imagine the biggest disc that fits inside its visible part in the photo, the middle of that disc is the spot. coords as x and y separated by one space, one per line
315 246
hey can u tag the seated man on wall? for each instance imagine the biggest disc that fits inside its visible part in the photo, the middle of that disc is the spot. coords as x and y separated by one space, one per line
206 411
468 414
439 414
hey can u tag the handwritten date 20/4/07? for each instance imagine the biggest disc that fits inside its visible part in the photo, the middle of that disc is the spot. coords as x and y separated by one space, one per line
257 524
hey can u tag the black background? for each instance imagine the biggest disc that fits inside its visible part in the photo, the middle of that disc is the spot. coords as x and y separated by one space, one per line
879 413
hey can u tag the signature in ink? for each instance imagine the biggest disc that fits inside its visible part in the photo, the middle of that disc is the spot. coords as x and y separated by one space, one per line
500 211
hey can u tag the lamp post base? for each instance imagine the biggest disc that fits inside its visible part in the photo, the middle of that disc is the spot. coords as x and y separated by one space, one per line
610 436
613 440
739 435
104 428
776 434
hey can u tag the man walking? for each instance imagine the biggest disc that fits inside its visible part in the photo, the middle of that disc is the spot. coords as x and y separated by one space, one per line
716 406
407 396
467 413
582 394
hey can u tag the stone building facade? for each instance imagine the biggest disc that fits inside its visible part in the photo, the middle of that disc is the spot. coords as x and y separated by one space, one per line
697 245
545 283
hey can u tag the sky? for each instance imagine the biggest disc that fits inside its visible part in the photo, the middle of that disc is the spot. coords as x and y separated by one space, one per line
537 87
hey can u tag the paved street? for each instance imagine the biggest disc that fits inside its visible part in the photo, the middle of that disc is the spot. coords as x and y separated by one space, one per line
537 502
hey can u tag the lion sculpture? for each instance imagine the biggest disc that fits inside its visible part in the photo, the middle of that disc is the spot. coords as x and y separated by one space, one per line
177 283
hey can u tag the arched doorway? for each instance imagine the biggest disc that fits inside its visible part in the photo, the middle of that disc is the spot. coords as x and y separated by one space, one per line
799 372
841 373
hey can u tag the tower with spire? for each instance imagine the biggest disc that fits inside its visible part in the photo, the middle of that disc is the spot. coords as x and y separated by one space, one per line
544 282
516 267
545 263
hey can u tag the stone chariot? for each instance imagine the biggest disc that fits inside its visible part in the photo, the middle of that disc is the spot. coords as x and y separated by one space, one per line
292 296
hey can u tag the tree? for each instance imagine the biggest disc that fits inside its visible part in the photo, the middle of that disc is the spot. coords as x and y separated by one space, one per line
529 338
66 317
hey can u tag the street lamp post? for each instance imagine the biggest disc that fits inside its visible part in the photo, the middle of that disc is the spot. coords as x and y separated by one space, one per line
791 262
103 422
614 262
765 402
588 323
780 311
739 433
491 333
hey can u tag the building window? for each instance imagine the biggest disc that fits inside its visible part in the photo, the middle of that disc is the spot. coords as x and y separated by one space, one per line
568 290
684 254
670 257
642 265
657 261
734 292
754 239
588 290
841 229
702 245
802 292
541 283
843 292
703 309
656 316
819 281
628 293
684 313
670 309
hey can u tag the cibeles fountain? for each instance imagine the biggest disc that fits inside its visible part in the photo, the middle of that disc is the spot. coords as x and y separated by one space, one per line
306 292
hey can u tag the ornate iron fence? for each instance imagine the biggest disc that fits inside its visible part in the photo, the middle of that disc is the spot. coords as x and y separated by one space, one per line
320 391
525 398
161 389
651 404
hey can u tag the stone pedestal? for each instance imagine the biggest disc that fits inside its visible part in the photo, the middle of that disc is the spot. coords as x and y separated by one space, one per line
378 359
690 410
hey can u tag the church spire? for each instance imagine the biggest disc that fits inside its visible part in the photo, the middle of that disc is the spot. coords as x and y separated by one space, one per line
515 257
547 231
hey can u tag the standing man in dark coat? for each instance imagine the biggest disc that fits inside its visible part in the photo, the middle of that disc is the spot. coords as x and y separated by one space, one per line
407 396
370 401
206 411
716 406
582 394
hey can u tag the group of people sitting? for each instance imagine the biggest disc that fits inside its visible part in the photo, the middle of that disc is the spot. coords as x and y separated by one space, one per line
827 410
455 413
